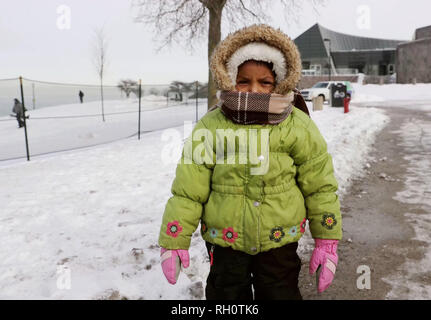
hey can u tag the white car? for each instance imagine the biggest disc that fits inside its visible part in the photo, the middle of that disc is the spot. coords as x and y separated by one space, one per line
323 89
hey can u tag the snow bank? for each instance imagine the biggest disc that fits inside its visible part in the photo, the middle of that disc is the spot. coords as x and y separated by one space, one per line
391 92
349 138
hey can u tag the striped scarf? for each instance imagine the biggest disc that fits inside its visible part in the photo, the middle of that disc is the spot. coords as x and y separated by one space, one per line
255 108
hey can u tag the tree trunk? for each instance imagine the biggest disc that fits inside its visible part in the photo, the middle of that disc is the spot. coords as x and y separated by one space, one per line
214 37
101 95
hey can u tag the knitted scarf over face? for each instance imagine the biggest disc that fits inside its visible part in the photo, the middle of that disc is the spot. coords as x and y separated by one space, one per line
256 108
230 109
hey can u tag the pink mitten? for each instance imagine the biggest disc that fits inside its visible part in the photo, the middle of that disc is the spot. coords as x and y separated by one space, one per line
325 258
171 261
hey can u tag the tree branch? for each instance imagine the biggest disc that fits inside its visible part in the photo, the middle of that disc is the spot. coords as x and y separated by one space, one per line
205 3
182 21
248 10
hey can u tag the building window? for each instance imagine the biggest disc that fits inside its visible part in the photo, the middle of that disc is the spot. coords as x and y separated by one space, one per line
317 68
306 65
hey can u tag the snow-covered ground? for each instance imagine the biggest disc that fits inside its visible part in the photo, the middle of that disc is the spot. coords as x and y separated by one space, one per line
79 125
84 224
415 285
416 137
386 95
94 214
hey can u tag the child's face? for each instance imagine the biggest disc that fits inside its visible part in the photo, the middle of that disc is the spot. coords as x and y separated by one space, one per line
255 77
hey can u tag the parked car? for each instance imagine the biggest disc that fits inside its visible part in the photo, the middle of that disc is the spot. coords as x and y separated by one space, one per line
323 89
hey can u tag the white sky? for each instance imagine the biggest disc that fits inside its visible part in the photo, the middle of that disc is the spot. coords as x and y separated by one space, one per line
33 46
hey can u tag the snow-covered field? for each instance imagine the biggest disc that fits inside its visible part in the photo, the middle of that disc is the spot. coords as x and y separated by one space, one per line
84 224
386 95
73 126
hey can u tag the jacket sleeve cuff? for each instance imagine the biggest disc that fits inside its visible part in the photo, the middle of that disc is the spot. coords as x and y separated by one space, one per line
180 220
326 226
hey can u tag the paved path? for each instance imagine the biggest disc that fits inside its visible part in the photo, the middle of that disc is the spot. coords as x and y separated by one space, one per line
387 217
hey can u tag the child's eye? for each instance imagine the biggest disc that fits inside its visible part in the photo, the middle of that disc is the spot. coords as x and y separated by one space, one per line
268 83
242 82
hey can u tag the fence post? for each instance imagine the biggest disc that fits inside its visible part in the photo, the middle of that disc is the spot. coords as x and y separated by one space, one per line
25 123
139 121
34 98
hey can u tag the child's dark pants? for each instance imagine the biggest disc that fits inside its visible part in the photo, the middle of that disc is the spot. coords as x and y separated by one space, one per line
273 274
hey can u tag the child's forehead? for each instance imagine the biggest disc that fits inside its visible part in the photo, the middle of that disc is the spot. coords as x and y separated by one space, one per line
253 67
257 63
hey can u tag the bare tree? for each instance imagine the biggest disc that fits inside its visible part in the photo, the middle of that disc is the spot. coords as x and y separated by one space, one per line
178 87
100 59
127 86
201 91
184 21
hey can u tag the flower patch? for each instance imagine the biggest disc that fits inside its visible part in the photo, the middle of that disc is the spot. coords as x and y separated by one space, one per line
303 225
204 228
213 233
229 235
277 234
329 221
293 231
174 229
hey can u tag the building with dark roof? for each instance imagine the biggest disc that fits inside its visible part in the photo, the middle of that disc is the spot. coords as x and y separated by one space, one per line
346 54
414 59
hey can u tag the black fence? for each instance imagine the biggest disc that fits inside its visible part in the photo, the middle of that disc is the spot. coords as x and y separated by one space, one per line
59 117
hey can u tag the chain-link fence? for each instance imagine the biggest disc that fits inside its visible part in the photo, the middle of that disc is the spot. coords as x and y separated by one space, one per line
62 117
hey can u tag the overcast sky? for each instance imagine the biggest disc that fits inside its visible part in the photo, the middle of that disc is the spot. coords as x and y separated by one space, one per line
32 44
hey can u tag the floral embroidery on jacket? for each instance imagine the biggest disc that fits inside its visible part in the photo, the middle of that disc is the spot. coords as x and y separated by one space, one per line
204 228
174 229
277 234
329 221
293 231
213 233
229 235
303 225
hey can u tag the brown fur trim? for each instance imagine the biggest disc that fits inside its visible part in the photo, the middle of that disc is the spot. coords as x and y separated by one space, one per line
259 33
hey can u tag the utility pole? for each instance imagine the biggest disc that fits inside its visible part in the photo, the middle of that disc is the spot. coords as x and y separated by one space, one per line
329 57
24 116
139 120
34 98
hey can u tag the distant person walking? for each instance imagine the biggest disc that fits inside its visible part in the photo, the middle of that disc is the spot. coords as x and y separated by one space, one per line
81 96
19 112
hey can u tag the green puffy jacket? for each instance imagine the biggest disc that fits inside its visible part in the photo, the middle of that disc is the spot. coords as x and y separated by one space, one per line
249 210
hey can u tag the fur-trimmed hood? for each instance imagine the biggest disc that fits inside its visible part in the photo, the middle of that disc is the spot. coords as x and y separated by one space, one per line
256 33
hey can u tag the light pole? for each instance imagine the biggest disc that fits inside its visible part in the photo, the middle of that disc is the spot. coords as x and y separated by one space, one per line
329 56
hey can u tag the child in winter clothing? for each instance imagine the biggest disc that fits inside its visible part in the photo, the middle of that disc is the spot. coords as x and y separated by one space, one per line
253 209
